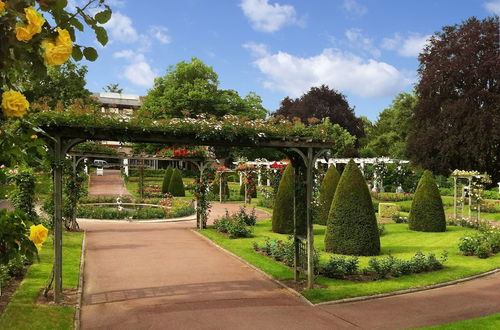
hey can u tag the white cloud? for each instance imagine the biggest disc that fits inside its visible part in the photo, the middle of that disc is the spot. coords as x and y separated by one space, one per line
159 33
493 6
268 17
357 40
354 7
138 71
344 71
410 47
257 50
121 29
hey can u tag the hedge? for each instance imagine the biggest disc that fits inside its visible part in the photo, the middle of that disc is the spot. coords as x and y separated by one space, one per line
326 193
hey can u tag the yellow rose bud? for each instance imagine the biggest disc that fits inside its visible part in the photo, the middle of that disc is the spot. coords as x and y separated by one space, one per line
38 235
34 137
2 8
14 104
35 20
23 32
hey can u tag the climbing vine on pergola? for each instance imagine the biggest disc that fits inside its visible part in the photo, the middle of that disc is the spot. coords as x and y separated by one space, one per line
303 144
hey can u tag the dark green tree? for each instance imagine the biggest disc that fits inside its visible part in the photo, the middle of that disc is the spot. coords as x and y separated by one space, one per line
457 117
326 193
352 225
176 186
282 220
166 180
427 212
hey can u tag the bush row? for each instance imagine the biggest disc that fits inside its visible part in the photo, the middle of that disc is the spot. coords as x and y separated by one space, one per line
93 212
482 244
340 267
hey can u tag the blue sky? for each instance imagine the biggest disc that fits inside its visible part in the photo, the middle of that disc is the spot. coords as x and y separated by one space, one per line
366 49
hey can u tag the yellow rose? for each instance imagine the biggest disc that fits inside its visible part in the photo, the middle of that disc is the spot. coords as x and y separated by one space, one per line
35 20
14 104
38 235
34 137
63 39
2 7
23 32
58 52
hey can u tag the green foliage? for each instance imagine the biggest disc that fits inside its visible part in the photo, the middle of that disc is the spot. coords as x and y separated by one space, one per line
94 148
251 192
93 212
326 193
14 236
194 87
23 197
396 267
176 186
63 85
427 212
282 219
234 225
352 225
113 88
215 186
340 267
482 244
166 180
388 136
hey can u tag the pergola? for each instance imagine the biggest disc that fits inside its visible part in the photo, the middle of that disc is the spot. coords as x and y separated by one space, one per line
303 152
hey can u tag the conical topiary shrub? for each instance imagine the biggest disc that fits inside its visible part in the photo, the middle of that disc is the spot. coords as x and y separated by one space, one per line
352 225
282 219
166 180
427 212
176 186
326 193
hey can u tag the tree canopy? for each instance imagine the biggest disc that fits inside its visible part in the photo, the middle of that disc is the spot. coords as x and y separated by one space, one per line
192 88
389 134
113 88
322 102
63 84
457 116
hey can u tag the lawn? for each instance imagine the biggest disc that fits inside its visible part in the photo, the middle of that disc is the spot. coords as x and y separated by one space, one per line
22 311
397 241
484 323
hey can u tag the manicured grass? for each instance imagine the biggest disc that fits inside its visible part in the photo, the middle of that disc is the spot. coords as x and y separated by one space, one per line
397 241
22 311
483 323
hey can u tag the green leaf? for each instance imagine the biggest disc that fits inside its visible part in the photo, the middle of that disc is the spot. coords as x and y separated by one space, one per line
61 4
103 16
90 54
76 23
77 53
101 34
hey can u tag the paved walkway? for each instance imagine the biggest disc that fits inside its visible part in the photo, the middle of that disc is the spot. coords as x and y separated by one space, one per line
108 185
164 276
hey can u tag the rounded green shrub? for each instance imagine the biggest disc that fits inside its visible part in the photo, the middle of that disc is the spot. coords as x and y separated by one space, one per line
427 212
282 220
166 180
326 193
176 186
352 225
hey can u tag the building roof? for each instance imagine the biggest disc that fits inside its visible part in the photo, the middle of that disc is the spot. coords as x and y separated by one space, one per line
118 99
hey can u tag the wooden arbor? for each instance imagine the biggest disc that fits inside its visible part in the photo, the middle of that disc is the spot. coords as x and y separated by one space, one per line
303 152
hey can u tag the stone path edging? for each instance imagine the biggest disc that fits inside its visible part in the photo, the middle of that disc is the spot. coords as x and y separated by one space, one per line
353 299
78 309
260 271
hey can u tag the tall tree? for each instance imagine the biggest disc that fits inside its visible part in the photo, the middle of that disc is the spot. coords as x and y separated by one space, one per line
457 116
113 88
63 84
389 134
194 88
323 102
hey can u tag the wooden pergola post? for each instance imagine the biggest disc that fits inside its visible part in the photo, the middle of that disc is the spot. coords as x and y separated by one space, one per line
455 198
